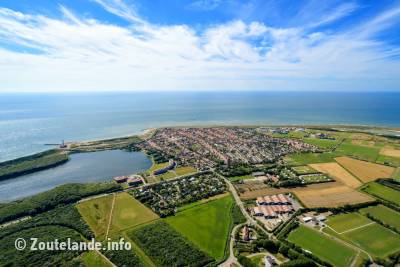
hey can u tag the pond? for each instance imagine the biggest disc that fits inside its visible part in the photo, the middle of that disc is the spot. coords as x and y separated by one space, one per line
81 168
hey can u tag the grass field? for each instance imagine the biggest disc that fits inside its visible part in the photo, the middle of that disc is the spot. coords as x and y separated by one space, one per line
343 222
384 214
383 192
322 246
185 170
239 178
309 158
127 212
376 240
92 259
322 143
362 152
396 174
338 173
96 213
299 170
365 234
365 171
206 225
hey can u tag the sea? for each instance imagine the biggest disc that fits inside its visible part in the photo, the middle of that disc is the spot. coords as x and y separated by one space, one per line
29 121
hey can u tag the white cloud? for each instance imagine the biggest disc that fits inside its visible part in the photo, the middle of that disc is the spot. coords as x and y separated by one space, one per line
86 54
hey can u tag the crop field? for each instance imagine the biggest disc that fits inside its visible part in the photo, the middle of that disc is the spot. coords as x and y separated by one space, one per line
365 171
127 212
329 195
322 246
338 173
383 192
207 225
384 214
299 170
364 233
391 152
315 178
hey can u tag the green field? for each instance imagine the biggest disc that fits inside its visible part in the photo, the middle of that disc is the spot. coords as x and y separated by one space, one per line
346 221
96 213
322 143
365 234
206 225
299 170
368 153
382 159
383 192
127 212
375 239
396 175
322 246
93 259
309 158
185 170
240 178
384 214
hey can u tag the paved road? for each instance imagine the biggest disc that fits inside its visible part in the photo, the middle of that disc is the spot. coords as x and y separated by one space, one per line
249 221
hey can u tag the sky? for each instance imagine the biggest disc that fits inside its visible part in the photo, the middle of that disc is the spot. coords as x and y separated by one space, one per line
184 45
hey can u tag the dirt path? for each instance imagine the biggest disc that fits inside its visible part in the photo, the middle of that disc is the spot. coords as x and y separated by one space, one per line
111 213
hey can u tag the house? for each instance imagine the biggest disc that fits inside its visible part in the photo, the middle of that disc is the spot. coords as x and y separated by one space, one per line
257 211
321 218
269 261
245 233
135 181
307 219
121 179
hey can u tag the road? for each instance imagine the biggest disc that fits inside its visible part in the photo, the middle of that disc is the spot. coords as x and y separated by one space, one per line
249 221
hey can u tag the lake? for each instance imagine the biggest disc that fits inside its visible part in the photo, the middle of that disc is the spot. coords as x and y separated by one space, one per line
81 168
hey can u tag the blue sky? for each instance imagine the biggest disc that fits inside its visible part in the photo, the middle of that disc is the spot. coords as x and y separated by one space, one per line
142 45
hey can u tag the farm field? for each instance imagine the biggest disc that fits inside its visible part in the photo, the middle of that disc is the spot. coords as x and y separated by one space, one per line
363 233
343 222
329 195
365 171
299 170
391 152
309 158
207 225
396 174
383 192
338 173
322 246
322 143
384 214
127 212
369 153
96 213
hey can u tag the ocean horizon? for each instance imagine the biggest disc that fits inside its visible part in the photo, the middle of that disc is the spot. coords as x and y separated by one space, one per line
28 121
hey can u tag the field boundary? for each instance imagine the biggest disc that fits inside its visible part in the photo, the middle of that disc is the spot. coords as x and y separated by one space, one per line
111 213
356 228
